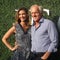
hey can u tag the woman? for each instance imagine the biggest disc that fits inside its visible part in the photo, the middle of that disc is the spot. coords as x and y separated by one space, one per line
22 36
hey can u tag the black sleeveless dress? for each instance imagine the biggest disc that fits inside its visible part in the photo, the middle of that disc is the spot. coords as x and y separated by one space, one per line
24 41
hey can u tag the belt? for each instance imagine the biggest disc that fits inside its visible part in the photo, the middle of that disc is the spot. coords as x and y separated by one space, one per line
38 53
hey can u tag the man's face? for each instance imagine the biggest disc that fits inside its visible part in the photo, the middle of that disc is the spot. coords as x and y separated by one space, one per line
35 13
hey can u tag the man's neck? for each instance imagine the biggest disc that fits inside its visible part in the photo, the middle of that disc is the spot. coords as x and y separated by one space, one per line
37 24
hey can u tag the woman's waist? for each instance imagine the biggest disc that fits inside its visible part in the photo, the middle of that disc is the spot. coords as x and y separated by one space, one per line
23 48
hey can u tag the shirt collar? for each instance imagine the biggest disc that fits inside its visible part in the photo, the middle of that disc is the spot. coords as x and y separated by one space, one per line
40 21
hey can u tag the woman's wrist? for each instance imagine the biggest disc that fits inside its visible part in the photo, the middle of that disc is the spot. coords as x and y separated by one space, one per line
13 48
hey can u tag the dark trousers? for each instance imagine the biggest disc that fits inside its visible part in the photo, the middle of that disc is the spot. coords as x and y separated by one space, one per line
53 56
37 56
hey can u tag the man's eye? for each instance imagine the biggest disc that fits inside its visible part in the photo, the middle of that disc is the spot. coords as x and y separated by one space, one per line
19 14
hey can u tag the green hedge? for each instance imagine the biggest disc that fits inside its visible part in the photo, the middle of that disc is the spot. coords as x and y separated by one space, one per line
7 13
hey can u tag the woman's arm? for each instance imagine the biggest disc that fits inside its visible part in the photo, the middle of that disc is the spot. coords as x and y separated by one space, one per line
6 36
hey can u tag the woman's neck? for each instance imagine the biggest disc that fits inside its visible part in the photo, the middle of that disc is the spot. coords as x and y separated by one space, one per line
23 23
24 26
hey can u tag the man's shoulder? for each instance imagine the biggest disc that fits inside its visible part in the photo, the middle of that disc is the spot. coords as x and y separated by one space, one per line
48 21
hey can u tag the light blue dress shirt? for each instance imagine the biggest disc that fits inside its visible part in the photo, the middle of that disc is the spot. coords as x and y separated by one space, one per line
45 37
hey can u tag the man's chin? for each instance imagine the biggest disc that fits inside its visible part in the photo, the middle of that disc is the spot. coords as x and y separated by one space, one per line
35 19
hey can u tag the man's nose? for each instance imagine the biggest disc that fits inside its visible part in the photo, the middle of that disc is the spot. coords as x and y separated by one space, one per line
33 14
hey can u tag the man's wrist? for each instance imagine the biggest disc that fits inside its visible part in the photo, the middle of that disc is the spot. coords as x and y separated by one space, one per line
43 58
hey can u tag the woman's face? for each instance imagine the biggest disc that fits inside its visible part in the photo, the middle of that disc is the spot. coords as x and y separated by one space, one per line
22 15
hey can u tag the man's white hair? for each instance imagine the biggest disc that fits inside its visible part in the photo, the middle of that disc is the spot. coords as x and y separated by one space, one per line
40 8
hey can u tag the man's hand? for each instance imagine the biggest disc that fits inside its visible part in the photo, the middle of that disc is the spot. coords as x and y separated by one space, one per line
45 56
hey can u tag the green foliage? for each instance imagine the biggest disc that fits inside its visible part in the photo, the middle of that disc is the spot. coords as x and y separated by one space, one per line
7 17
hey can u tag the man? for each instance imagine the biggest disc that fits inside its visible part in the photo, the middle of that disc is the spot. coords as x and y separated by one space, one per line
44 36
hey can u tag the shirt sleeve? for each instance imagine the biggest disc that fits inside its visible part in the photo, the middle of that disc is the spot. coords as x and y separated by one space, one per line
53 35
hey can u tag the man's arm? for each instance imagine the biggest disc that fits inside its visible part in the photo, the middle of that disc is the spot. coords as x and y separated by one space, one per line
53 35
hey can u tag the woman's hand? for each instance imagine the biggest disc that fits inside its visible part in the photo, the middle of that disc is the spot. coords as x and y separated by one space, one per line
15 47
